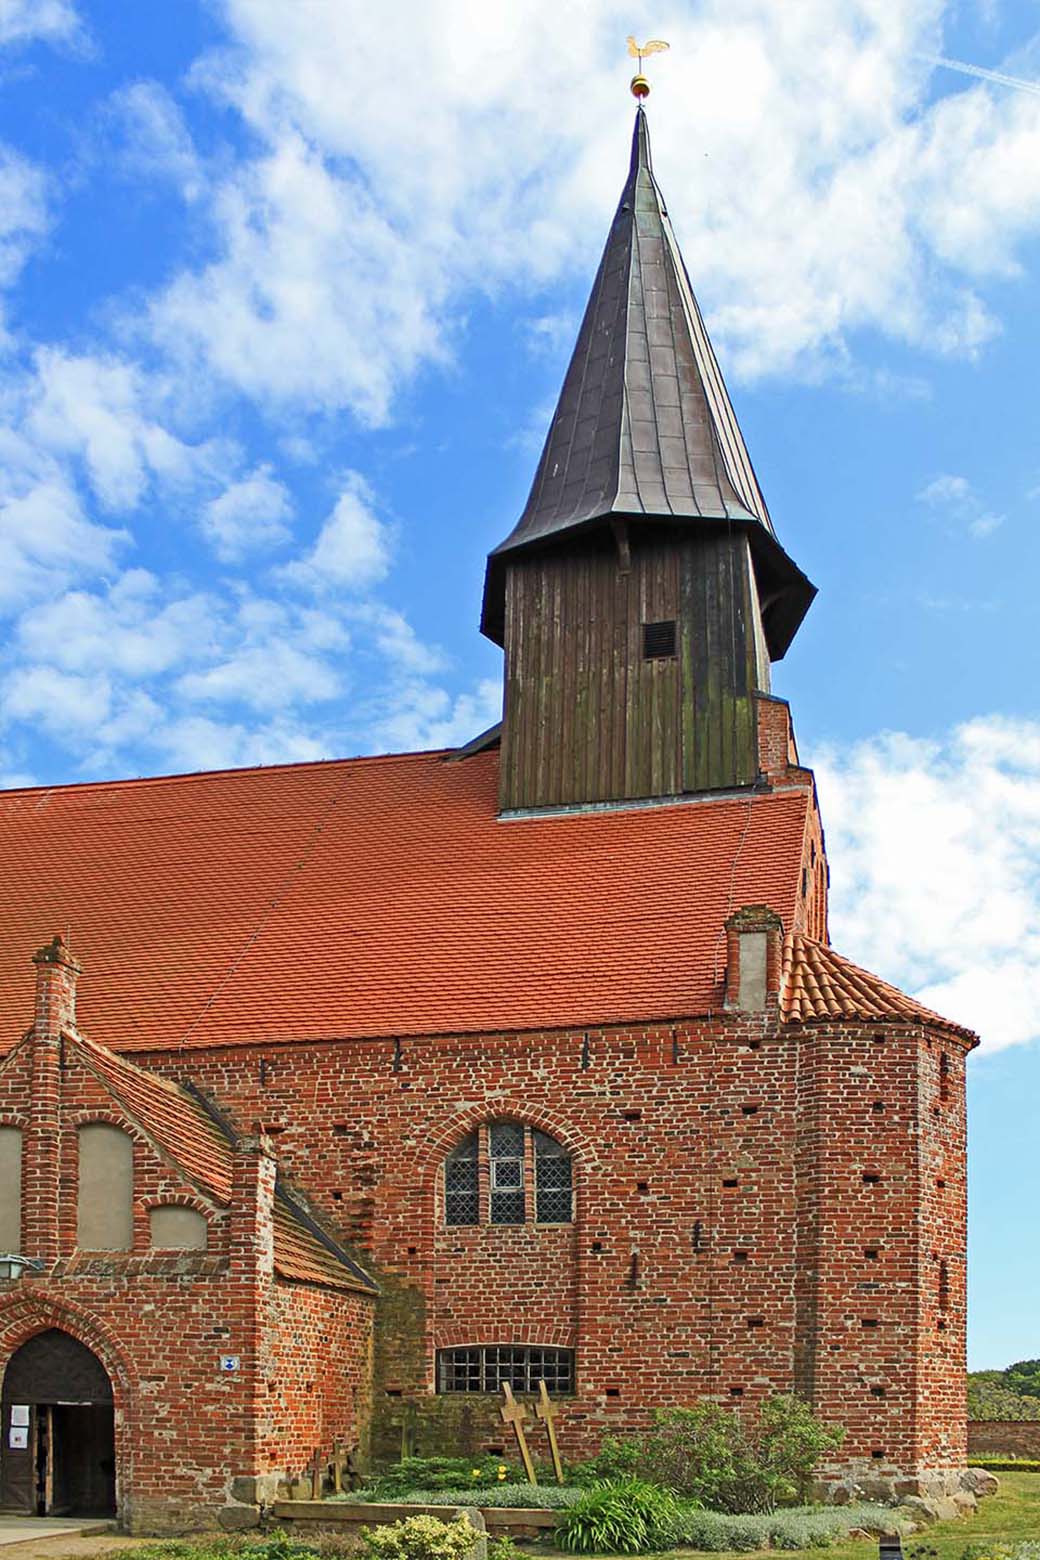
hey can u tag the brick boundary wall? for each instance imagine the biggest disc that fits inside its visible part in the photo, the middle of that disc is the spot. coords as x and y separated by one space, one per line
1004 1438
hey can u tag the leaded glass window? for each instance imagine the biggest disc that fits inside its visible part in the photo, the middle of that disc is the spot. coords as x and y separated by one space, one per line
485 1367
552 1180
510 1157
506 1155
461 1183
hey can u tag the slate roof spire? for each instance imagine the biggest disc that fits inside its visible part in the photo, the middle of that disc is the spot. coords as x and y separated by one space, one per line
644 427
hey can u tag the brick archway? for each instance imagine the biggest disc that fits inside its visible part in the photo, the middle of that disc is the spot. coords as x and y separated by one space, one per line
23 1315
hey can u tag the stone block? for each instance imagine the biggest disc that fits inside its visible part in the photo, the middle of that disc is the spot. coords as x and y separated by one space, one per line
980 1481
238 1519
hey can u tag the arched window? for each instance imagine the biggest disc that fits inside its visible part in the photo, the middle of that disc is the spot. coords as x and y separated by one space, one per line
10 1190
516 1161
174 1228
105 1216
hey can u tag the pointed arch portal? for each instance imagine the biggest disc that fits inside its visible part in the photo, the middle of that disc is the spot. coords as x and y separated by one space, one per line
56 1412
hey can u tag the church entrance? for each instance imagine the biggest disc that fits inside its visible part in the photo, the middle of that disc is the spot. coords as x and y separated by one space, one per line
57 1458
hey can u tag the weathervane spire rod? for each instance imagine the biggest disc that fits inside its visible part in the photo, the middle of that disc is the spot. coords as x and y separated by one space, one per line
639 84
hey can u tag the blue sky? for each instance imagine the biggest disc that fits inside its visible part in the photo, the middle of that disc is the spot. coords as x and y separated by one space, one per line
285 302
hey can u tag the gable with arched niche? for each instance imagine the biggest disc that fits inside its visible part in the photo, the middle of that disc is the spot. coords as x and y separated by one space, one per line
505 1204
123 1197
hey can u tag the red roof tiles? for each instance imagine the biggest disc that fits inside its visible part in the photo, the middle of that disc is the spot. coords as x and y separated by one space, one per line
376 897
818 983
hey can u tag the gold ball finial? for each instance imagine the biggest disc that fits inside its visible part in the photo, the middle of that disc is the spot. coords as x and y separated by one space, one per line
640 86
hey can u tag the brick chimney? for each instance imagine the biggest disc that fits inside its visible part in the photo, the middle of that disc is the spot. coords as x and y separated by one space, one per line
55 1013
753 955
252 1209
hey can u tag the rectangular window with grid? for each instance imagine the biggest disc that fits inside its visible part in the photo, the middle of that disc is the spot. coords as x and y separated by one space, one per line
553 1195
485 1367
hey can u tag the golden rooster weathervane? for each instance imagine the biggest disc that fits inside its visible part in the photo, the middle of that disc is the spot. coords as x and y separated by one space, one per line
639 51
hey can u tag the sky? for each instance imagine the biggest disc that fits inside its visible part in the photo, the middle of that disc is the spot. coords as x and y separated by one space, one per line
286 297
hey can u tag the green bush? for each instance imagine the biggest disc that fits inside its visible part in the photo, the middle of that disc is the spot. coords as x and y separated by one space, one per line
419 1538
1006 1464
503 1549
1025 1549
628 1517
553 1496
440 1473
736 1463
800 1527
615 1460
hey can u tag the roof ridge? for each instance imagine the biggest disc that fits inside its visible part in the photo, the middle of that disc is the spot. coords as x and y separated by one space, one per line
133 781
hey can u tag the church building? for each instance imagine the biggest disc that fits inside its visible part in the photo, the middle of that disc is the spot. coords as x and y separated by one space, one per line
334 1096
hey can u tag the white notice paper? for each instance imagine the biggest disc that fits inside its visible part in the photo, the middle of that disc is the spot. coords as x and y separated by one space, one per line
19 1413
19 1438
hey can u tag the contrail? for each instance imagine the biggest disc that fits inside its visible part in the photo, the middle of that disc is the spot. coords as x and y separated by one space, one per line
984 75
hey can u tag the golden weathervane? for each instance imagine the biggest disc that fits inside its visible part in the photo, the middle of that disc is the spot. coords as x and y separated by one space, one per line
639 51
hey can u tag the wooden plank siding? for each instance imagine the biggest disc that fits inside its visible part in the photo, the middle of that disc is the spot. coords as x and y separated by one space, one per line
587 718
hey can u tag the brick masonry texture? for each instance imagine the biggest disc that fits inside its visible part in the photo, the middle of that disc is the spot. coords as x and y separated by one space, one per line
1004 1438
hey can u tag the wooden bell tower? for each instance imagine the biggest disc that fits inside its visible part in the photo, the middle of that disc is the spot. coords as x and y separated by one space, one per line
643 593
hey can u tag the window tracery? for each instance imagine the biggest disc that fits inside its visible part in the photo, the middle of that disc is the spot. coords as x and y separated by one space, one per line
526 1171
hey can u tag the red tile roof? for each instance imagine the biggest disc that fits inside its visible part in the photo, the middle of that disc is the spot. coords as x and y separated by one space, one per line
190 1139
818 983
376 897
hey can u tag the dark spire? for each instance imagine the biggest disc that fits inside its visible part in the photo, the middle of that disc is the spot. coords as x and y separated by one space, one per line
644 428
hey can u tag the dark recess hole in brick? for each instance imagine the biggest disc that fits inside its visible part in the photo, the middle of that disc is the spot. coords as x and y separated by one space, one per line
756 1321
393 1392
754 1045
940 1183
941 1324
412 1250
736 1391
642 1186
870 1178
613 1392
337 1197
871 1253
878 1107
496 1451
730 1183
740 1256
597 1245
878 1453
879 1039
749 1110
632 1115
340 1129
877 1392
868 1321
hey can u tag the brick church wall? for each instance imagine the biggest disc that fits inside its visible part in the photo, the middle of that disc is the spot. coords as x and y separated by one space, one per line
722 1215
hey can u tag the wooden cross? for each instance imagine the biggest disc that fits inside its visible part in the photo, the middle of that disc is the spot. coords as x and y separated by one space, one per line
546 1411
515 1414
337 1468
317 1473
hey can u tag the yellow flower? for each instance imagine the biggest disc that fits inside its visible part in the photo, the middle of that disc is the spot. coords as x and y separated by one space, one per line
474 1473
501 1473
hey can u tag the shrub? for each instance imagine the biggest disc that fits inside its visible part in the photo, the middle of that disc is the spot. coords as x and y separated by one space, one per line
628 1517
553 1496
440 1473
503 1549
813 1527
419 1538
615 1460
1006 1464
736 1463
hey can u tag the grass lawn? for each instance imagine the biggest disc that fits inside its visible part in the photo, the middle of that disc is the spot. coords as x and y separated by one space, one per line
1013 1513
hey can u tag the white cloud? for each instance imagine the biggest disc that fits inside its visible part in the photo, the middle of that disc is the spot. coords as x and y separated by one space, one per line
935 849
352 550
955 497
45 538
52 21
100 409
153 140
345 246
250 514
